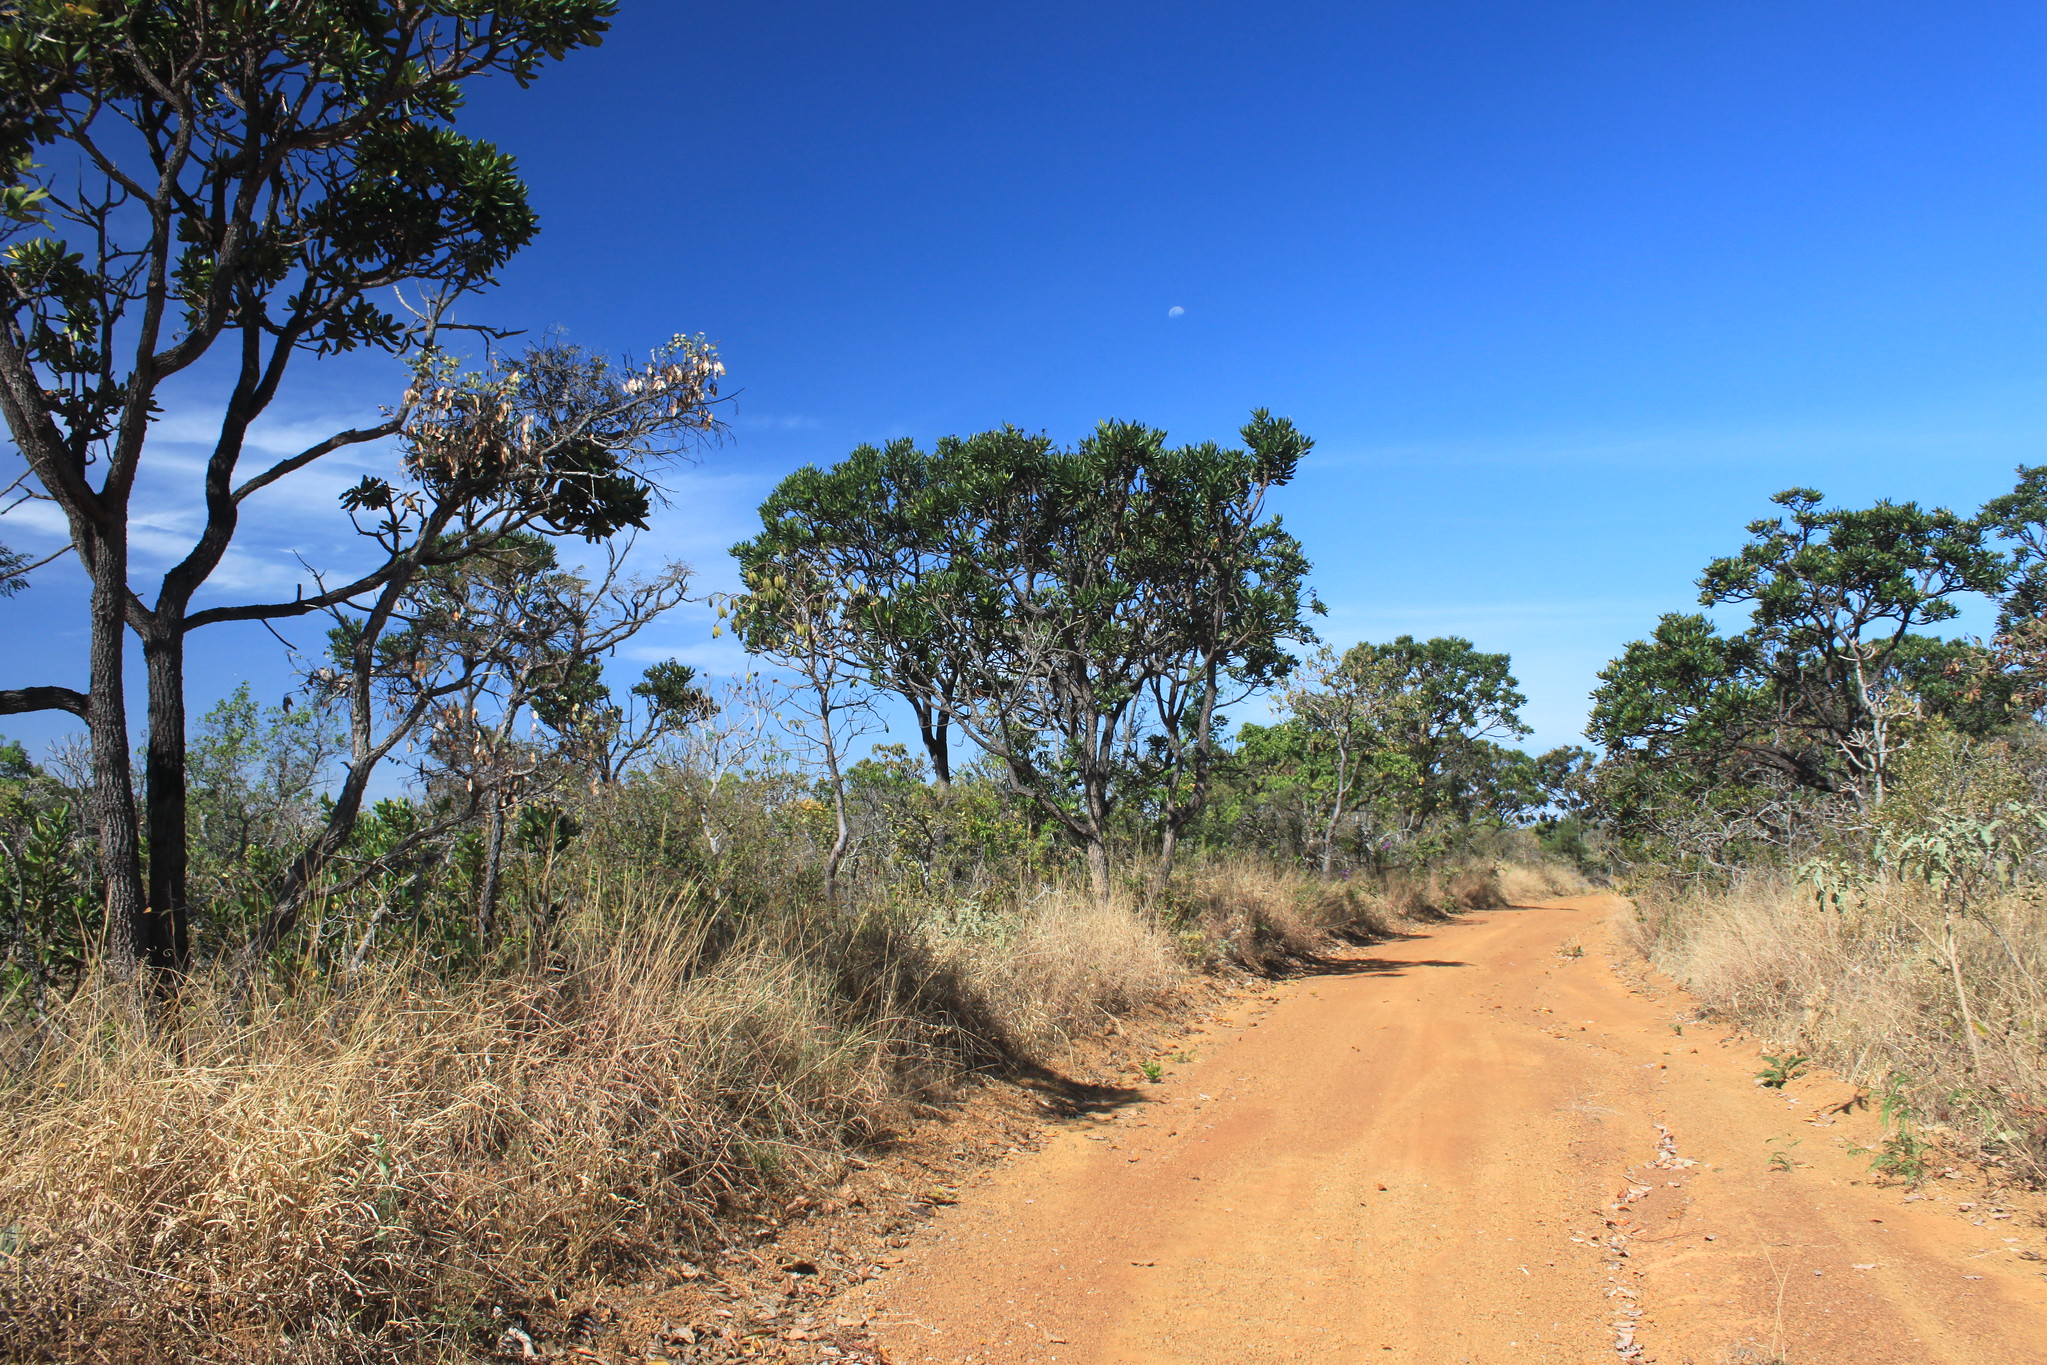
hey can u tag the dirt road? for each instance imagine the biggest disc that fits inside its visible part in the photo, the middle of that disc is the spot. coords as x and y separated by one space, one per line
1476 1145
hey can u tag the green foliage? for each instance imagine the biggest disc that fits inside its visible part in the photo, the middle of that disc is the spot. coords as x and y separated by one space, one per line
1384 750
256 777
14 568
1779 1070
50 916
325 132
1815 689
1902 1154
2019 518
1081 614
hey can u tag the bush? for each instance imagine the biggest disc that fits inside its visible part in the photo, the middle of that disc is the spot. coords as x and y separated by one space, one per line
1865 987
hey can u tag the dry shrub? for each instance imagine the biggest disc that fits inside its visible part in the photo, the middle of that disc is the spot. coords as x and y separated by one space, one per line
1527 883
1066 967
1257 915
1406 899
362 1175
1867 990
1475 888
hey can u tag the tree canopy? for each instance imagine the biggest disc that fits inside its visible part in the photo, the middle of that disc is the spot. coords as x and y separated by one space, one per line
1081 614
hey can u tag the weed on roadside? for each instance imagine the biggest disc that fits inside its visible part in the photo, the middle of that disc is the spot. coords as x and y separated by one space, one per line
1780 1159
1778 1070
1902 1155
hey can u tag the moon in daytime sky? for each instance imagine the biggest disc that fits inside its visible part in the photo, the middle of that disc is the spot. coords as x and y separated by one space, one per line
1175 311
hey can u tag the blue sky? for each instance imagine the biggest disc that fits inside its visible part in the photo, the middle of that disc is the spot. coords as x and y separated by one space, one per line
1562 291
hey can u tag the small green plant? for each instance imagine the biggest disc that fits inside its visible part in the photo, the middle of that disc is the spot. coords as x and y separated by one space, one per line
1182 1058
1677 1028
1152 1070
1902 1154
1571 948
1778 1070
1780 1159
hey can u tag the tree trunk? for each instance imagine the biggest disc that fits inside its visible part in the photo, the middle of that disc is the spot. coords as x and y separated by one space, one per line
113 785
493 860
1954 963
842 829
932 730
1168 846
1098 868
167 944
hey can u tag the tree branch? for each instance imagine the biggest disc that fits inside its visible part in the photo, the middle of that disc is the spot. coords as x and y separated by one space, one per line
21 700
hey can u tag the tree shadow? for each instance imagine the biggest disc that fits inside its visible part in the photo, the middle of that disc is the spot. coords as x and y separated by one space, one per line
1368 966
1068 1098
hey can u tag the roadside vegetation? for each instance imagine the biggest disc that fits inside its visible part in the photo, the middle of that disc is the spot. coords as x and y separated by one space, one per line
1834 822
477 967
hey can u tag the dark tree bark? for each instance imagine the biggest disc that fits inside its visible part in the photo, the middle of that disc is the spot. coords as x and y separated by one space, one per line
166 941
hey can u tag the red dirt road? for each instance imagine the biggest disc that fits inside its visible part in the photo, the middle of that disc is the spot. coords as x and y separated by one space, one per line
1437 1150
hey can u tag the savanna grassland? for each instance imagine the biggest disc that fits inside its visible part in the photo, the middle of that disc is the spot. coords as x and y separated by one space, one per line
483 968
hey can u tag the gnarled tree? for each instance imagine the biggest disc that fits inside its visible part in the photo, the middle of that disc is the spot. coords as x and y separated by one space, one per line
195 179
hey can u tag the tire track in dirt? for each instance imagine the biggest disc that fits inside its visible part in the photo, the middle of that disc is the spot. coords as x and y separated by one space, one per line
1469 1146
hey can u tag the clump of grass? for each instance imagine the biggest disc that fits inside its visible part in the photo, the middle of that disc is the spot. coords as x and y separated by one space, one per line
1868 988
342 1174
1476 888
1060 966
1257 916
1527 883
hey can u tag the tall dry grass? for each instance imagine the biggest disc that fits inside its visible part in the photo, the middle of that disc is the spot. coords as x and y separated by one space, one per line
1534 882
1870 990
1255 916
363 1174
361 1167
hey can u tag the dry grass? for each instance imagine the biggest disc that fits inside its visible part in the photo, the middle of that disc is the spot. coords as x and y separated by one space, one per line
1528 883
361 1169
361 1175
1256 916
1869 990
1067 967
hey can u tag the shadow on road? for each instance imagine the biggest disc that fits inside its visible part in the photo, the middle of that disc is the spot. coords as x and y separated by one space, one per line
1368 966
1068 1098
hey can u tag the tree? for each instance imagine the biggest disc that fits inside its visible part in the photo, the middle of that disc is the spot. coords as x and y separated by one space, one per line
1082 615
1449 699
455 657
230 176
1337 709
1392 737
1815 686
808 622
875 523
2019 518
1104 604
552 444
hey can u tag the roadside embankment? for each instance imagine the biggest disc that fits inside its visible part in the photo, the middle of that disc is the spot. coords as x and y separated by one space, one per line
393 1163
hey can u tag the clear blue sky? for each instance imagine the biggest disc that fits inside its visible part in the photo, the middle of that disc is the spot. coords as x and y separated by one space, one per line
1562 291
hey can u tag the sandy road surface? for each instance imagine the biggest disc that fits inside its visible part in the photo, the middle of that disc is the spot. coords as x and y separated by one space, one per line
1425 1153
